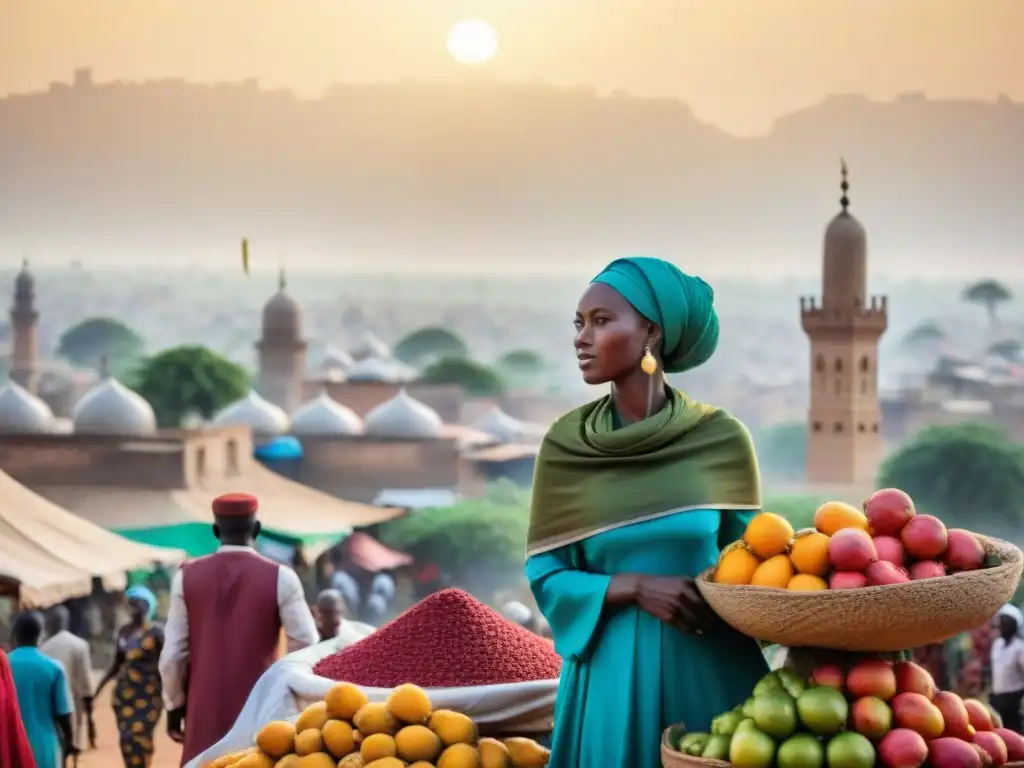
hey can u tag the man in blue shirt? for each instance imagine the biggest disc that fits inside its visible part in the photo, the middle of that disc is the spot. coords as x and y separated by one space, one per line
43 694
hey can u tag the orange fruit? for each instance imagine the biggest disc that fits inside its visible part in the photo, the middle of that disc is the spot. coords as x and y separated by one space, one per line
773 572
768 534
833 516
809 552
736 565
805 582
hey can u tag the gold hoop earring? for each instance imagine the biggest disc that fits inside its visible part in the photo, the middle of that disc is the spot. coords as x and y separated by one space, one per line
648 364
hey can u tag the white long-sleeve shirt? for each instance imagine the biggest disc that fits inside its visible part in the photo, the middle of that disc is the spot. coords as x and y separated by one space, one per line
296 619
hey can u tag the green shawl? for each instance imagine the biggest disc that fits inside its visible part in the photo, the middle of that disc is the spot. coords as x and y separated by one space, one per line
591 477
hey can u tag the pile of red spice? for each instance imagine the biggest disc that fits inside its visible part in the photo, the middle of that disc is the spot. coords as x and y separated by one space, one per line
447 640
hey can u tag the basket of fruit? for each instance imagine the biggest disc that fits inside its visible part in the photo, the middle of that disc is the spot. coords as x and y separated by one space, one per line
871 714
874 581
680 749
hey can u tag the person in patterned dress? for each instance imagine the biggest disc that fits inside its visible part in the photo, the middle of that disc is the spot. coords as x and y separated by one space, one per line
137 698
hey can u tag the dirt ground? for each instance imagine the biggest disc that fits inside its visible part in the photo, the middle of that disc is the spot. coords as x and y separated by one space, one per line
107 754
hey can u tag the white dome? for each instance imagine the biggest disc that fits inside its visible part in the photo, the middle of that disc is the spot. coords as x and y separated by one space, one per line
336 359
404 417
21 412
370 346
381 369
110 408
253 411
323 416
500 425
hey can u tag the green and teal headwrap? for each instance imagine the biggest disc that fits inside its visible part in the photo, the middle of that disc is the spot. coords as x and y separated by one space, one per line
678 303
144 594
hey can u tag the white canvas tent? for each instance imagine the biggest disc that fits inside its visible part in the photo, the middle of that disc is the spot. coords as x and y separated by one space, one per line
53 555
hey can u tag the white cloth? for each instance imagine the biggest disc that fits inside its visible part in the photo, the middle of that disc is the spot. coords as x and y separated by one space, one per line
1013 612
296 619
74 655
1007 665
290 686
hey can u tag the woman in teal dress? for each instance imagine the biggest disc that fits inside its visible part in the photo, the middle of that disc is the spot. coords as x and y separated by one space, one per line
137 698
634 495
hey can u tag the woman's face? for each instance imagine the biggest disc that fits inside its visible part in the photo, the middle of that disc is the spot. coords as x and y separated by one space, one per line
610 335
138 609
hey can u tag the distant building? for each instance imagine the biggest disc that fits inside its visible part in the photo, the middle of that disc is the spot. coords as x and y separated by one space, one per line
845 444
24 324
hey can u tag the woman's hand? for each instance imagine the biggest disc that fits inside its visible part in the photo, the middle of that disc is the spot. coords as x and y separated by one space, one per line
676 601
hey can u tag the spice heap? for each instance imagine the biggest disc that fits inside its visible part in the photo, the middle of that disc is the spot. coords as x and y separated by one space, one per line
447 640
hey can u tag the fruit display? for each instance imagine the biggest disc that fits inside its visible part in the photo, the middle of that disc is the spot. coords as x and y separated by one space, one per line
886 543
347 730
876 714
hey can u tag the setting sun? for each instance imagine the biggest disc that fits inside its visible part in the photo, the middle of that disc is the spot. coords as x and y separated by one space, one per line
472 42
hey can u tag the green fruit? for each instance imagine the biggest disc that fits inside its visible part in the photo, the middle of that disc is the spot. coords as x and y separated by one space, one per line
822 710
697 745
751 749
800 751
775 714
746 724
850 750
717 748
767 684
725 725
748 707
792 682
691 738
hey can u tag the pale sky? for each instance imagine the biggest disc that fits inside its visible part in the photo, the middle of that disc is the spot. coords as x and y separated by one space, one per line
738 63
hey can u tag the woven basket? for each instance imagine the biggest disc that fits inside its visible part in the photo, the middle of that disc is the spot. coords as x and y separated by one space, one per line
670 758
872 619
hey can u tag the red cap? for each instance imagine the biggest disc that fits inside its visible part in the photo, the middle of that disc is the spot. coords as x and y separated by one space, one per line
235 505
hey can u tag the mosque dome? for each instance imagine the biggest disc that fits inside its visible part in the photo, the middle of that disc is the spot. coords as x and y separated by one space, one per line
405 418
323 416
500 425
844 267
380 369
21 412
336 360
110 408
253 411
282 315
370 346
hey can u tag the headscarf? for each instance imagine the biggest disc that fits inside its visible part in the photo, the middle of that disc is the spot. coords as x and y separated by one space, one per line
681 305
1014 613
139 592
15 749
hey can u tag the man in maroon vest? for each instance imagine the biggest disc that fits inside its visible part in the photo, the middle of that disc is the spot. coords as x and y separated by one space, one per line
222 633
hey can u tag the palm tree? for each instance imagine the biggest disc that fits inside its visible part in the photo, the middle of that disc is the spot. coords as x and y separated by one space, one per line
926 332
989 294
1010 349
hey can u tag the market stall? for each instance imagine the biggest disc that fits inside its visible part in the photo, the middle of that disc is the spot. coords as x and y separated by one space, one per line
48 555
464 657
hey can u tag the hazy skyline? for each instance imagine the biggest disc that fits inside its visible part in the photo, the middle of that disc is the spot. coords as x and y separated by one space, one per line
737 63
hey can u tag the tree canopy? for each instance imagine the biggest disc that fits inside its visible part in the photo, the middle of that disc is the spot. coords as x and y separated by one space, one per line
782 451
522 367
427 345
989 294
480 543
969 475
475 379
1011 349
94 339
924 332
187 380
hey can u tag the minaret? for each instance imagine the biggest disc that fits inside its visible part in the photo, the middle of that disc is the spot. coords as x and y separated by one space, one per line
845 444
24 322
282 350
